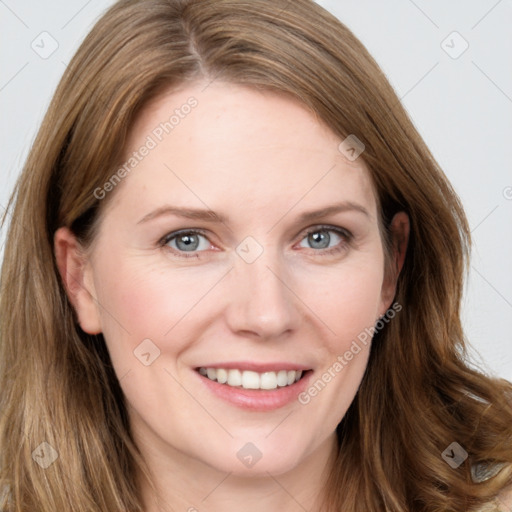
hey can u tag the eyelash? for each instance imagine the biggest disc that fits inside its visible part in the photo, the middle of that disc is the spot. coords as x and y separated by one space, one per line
343 233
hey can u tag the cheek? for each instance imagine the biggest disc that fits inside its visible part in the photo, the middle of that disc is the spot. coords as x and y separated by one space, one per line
348 301
139 302
349 307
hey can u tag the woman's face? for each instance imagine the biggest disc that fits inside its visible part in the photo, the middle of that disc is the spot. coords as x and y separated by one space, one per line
283 271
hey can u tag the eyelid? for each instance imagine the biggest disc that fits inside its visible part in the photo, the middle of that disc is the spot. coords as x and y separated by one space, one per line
173 234
327 227
342 232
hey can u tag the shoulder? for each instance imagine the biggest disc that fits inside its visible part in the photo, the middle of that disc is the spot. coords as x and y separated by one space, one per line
502 503
505 499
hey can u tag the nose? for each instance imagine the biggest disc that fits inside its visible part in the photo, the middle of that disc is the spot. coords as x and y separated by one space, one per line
262 303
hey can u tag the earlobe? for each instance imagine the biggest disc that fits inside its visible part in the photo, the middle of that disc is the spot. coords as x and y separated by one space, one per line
75 274
399 231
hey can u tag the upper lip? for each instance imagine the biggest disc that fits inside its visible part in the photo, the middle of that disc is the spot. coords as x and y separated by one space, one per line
256 367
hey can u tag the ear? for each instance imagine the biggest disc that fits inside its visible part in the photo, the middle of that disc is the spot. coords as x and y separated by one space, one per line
76 274
399 231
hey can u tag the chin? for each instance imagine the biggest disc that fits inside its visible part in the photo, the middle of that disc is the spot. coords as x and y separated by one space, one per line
246 458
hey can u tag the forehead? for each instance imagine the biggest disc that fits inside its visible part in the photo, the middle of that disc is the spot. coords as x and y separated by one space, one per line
224 145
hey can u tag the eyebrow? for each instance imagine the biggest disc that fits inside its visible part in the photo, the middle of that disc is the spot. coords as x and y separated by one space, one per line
214 217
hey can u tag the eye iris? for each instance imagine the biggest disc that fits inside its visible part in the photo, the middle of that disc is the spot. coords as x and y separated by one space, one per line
191 242
319 237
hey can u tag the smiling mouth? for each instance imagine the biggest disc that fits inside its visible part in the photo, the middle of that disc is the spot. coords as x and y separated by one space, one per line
252 380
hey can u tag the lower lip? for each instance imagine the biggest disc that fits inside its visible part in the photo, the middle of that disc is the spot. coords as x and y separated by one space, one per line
258 399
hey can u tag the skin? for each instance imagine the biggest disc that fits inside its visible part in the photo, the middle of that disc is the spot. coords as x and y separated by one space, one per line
260 159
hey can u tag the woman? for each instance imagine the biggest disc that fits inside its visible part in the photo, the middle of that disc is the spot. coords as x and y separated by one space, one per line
233 277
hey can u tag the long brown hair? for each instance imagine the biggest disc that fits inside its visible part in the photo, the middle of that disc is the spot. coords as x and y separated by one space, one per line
57 384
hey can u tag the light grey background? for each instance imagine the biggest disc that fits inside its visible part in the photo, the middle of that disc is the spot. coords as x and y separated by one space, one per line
460 102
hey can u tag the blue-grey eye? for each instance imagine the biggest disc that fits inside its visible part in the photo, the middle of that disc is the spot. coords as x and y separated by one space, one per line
321 238
187 241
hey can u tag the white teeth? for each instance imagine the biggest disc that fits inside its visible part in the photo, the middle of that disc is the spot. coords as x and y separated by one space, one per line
252 380
222 376
282 378
234 378
268 380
